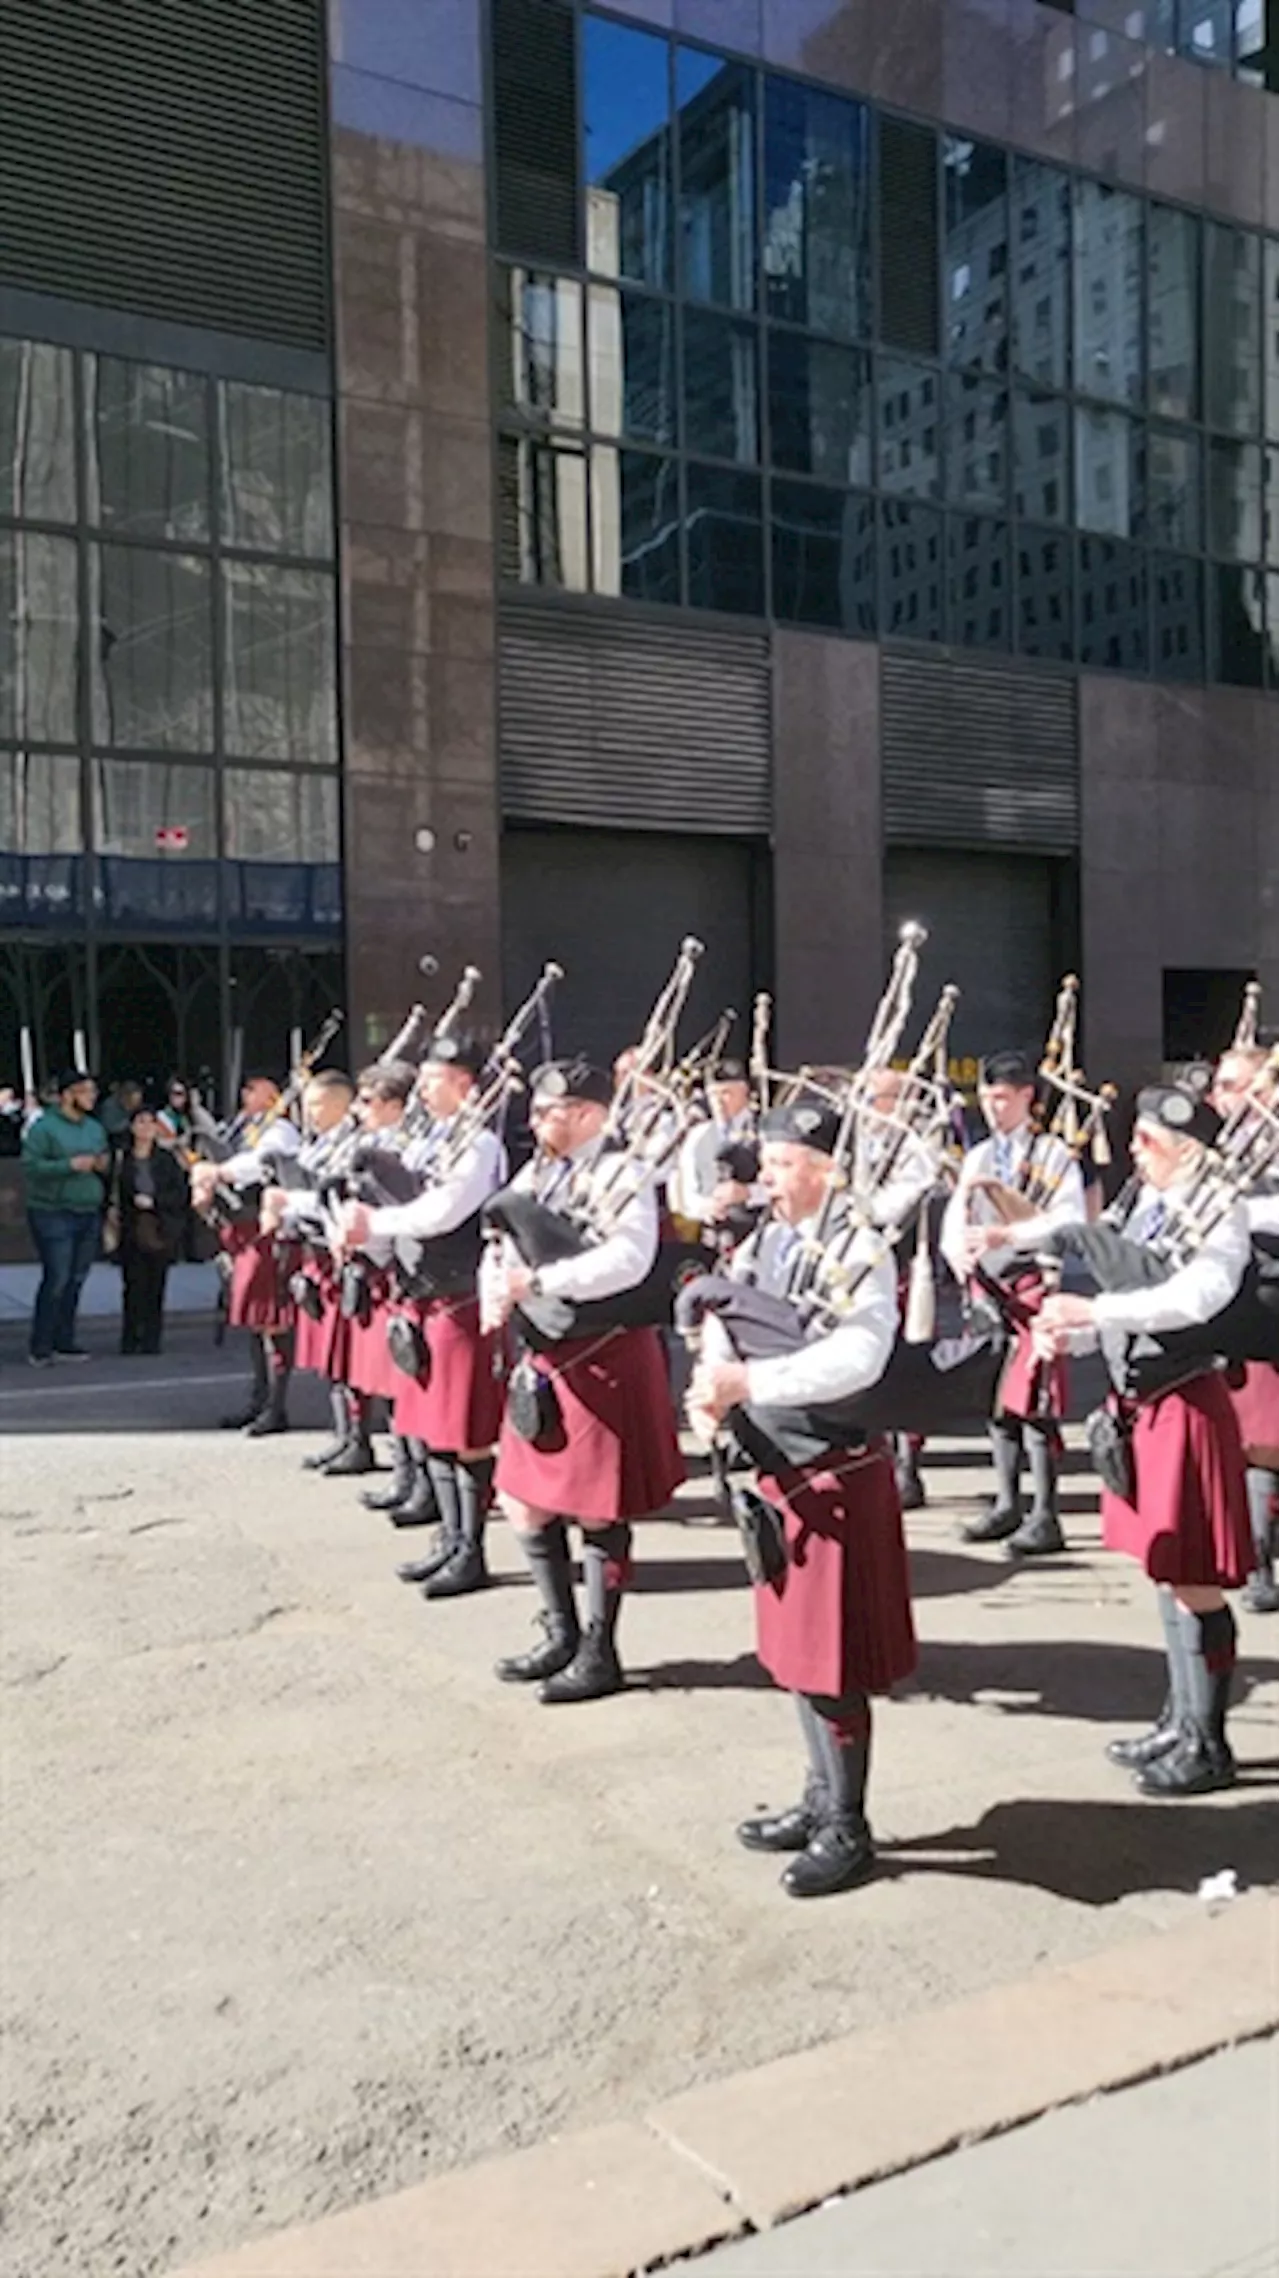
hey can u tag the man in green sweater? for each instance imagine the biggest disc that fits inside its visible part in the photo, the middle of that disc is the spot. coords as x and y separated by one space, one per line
65 1155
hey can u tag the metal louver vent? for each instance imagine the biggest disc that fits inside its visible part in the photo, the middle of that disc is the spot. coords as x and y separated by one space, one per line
168 157
535 121
632 725
909 253
978 755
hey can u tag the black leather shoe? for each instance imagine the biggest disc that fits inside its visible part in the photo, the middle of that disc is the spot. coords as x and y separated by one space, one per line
324 1455
836 1859
420 1570
241 1420
594 1672
545 1660
387 1498
351 1461
421 1509
910 1486
1197 1766
266 1425
1036 1538
465 1573
994 1526
790 1830
1147 1748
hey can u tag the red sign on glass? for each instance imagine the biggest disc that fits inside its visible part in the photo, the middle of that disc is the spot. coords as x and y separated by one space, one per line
173 837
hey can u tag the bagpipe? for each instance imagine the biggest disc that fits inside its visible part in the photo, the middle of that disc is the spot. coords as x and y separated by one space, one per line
643 1131
230 1206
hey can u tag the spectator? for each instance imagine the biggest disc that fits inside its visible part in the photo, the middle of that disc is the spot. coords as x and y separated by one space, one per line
65 1155
118 1108
153 1194
12 1117
184 1121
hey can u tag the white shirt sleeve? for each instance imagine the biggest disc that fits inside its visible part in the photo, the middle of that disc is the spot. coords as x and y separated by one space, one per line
303 1207
693 1182
1263 1213
955 1218
1195 1293
248 1167
439 1209
611 1266
850 1358
896 1202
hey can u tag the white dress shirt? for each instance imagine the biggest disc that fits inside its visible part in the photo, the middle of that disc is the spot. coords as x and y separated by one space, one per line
448 1202
246 1168
831 1367
696 1177
1065 1206
618 1263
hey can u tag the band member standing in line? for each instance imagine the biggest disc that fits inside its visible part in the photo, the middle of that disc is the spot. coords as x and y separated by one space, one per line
1255 1400
1185 1516
382 1093
896 1205
833 1621
454 1405
298 1215
258 1298
1031 1400
703 1193
610 1454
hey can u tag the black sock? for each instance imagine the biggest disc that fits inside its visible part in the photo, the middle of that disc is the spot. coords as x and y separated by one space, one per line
606 1570
816 1797
474 1481
444 1480
1006 1455
844 1737
1260 1487
339 1411
1044 1474
1208 1660
547 1551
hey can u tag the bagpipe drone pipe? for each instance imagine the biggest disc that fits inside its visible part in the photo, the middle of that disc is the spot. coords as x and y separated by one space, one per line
1153 1361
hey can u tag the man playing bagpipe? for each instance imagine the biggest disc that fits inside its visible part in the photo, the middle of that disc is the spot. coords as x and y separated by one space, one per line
449 1395
823 1527
256 1264
300 1213
588 1433
1243 1067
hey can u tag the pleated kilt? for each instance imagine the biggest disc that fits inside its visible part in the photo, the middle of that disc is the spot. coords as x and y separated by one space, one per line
313 1340
456 1403
1019 1392
614 1453
258 1297
838 1619
1255 1405
369 1366
1189 1521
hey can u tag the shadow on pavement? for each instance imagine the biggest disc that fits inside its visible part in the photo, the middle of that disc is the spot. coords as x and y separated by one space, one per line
1081 1679
744 1674
1097 1853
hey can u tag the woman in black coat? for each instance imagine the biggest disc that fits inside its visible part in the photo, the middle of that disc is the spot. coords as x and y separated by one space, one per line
153 1196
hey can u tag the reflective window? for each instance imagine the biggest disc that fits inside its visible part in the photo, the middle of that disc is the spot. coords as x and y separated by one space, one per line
1232 330
37 431
1271 506
626 110
978 585
278 664
1177 617
1173 312
151 657
976 254
1204 30
721 405
1235 501
820 419
281 840
817 210
1238 631
635 524
542 505
911 571
1046 623
41 838
1107 279
909 427
1173 488
154 829
1270 336
1113 604
1040 272
147 446
716 106
1042 458
632 354
824 557
724 540
1109 487
39 645
277 482
540 329
977 442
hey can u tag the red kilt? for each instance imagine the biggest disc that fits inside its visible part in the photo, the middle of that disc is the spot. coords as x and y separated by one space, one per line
1191 1518
1029 1388
456 1404
313 1340
369 1366
839 1619
259 1294
615 1453
1255 1407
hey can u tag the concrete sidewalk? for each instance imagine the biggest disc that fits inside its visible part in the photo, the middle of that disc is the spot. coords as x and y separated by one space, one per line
1175 2178
190 1289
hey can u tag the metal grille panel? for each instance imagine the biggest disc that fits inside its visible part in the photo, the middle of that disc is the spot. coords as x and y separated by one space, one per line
978 755
632 724
535 129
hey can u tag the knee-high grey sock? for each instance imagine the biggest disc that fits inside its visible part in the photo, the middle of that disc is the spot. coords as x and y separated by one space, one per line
1209 1659
844 1729
474 1484
606 1570
1044 1473
1179 1706
815 1786
444 1479
1006 1455
340 1411
1260 1487
547 1553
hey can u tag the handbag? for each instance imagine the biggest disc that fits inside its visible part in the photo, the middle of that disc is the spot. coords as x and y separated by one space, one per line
1110 1440
533 1404
111 1230
149 1235
763 1536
